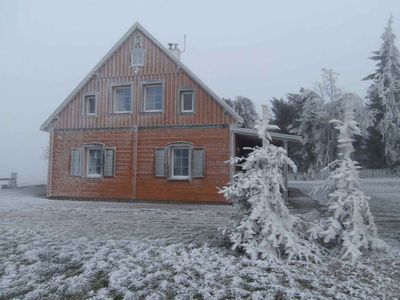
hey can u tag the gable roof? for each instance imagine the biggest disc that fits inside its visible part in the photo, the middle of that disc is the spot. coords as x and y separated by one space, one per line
137 26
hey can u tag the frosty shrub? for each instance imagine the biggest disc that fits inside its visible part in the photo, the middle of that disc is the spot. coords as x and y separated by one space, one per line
348 226
264 227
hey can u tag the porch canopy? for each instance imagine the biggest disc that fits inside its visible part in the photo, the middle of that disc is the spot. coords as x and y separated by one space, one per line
246 137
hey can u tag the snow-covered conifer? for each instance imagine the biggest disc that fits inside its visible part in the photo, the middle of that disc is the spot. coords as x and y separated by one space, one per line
245 108
311 123
384 97
265 229
349 226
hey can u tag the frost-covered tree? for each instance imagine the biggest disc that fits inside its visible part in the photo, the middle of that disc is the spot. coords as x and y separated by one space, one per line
265 229
246 109
384 101
349 226
328 88
316 108
284 114
310 128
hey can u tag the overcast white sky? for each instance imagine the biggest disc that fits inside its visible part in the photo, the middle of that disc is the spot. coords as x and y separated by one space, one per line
258 49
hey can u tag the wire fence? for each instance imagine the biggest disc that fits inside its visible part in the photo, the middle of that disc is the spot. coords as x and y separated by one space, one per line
364 173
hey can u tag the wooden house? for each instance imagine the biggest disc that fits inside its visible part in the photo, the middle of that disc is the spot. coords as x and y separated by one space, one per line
142 126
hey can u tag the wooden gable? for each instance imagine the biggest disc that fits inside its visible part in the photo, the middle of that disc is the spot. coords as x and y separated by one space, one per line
158 65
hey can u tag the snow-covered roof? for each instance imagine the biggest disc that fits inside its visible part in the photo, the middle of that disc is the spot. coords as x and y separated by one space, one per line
275 135
134 27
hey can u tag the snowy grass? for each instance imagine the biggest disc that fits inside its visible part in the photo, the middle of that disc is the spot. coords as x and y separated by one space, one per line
75 250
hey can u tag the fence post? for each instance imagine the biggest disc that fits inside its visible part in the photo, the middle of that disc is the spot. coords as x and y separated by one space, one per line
285 175
13 180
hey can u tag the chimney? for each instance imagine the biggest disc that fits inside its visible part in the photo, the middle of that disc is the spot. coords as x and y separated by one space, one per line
173 48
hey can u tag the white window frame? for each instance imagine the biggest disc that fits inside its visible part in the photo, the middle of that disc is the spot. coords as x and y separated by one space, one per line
114 87
84 104
181 177
87 162
149 84
181 95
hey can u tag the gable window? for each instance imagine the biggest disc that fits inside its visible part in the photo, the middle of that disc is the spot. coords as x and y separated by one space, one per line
187 101
93 161
90 105
153 97
122 98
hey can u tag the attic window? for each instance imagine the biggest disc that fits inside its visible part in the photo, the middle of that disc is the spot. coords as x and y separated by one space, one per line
187 101
122 97
89 105
153 96
137 59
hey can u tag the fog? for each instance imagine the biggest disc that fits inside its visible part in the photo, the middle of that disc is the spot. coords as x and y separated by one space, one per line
260 50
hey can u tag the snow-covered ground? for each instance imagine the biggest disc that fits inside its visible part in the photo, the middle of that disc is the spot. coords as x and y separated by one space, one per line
72 249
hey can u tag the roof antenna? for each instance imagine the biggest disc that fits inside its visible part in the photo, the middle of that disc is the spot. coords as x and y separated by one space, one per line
184 43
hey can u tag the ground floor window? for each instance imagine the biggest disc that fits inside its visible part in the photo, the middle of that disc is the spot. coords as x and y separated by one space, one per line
93 161
180 161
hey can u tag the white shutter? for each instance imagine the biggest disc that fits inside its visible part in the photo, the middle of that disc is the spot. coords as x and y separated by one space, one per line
109 159
137 57
198 162
76 162
160 162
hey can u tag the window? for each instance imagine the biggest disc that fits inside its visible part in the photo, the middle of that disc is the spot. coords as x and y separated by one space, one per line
183 161
180 163
94 160
137 59
90 105
122 96
153 97
187 101
98 161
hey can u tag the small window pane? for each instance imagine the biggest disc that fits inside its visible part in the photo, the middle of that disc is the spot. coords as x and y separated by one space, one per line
187 101
95 160
153 97
122 99
181 163
90 105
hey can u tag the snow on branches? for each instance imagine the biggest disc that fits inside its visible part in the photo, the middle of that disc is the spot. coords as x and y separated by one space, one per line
265 229
384 94
349 227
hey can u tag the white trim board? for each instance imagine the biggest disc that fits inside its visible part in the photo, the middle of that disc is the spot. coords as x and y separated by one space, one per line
275 135
45 126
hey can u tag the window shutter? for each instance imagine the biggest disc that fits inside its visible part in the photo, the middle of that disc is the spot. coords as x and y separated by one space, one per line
76 162
198 162
109 159
160 162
